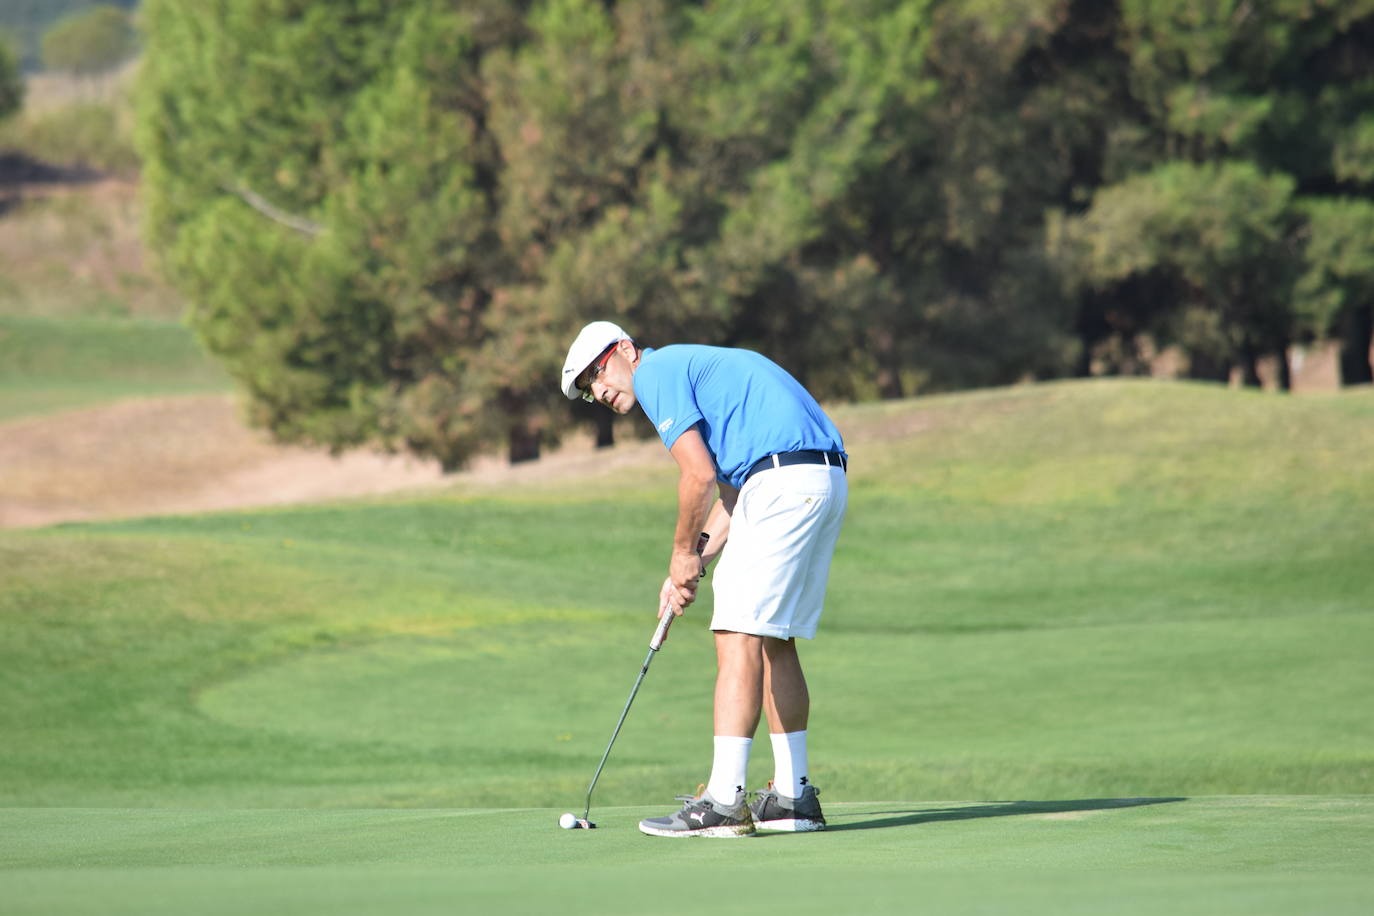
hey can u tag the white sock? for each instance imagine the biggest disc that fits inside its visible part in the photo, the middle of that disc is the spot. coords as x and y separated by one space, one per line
729 767
790 766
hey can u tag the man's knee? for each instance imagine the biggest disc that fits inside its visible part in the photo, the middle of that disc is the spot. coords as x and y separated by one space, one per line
779 648
738 648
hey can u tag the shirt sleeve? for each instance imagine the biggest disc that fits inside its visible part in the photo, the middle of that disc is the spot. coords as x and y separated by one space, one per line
665 392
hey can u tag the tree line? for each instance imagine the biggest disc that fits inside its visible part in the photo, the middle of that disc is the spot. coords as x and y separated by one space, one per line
82 36
391 217
76 36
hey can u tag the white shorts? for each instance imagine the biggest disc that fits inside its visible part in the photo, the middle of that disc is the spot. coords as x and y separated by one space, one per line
770 579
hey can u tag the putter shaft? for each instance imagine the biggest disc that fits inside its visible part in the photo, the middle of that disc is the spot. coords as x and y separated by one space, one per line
660 634
667 618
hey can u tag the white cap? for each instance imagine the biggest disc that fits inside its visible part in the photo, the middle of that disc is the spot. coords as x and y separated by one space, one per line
593 339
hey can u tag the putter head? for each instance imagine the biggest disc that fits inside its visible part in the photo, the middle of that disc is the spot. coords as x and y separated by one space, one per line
585 824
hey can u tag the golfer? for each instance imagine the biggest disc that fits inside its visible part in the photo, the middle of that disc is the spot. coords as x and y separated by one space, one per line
762 471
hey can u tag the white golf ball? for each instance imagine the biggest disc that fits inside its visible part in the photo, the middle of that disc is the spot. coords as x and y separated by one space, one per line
567 821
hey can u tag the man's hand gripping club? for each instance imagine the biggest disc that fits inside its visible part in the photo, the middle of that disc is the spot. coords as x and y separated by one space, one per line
680 588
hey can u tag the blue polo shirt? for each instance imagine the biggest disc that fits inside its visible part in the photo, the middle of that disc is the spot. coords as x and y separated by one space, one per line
746 406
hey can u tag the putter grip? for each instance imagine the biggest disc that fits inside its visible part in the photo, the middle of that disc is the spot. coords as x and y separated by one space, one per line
666 620
662 632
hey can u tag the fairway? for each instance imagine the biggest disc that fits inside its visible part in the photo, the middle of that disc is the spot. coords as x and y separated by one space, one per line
1089 647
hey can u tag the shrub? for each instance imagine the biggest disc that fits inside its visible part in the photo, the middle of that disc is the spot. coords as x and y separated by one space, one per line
93 41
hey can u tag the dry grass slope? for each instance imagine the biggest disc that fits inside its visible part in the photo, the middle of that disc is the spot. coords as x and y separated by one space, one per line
171 455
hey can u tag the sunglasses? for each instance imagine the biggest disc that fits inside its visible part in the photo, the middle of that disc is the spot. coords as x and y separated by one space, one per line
594 373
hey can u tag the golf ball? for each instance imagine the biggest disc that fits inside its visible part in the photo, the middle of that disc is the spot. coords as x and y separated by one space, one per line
567 822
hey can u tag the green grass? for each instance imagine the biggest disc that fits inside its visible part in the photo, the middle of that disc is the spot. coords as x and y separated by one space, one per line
1053 594
49 364
1205 856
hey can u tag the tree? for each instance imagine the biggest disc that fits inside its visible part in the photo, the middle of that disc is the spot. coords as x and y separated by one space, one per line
391 217
11 82
580 115
743 173
92 41
1336 292
1212 241
675 167
943 226
320 186
1265 98
811 112
27 20
13 44
894 241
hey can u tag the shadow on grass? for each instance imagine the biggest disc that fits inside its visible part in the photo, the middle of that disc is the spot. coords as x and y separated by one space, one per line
872 820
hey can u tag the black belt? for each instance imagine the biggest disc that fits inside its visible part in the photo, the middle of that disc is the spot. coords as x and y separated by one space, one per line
784 459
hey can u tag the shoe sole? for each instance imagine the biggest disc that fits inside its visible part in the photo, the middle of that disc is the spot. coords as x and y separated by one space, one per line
791 825
723 832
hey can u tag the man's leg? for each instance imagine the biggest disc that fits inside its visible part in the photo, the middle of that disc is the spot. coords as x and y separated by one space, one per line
739 683
791 802
787 703
739 695
723 810
786 700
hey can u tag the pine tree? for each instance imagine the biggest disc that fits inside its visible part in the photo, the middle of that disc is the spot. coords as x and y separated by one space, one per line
320 184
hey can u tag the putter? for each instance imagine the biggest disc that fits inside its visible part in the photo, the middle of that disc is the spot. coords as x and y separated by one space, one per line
655 643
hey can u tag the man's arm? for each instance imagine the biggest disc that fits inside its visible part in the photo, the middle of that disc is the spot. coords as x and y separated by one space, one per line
695 494
694 497
718 522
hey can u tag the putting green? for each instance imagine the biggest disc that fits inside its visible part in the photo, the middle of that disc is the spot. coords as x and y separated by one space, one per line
1216 855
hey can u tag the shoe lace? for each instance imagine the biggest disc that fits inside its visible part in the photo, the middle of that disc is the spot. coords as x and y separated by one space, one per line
687 799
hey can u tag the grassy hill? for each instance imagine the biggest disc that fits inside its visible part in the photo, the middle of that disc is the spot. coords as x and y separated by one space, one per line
83 319
52 364
1131 605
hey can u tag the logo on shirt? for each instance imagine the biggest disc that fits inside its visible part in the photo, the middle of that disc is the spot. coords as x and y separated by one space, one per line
665 425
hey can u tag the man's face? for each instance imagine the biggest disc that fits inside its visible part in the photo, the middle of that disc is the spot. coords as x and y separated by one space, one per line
614 384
